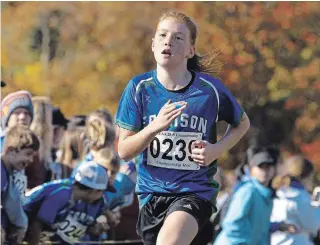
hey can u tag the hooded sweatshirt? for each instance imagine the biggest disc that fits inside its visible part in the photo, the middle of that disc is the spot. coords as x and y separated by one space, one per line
247 221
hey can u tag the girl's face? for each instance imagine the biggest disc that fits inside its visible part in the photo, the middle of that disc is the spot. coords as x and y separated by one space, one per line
19 116
171 44
91 195
264 173
20 159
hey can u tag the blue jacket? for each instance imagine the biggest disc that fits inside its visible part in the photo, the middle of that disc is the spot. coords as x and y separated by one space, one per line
293 205
11 211
247 221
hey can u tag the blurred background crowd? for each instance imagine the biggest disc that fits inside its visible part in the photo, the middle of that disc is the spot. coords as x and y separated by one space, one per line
75 58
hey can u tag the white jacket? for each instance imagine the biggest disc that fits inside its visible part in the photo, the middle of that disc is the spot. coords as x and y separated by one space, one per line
293 206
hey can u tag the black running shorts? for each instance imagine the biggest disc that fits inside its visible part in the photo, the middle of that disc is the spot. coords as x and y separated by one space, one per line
153 214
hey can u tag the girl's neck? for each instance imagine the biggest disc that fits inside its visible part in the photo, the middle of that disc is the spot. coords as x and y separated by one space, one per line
173 79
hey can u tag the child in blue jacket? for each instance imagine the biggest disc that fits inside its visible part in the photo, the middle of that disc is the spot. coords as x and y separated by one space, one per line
247 221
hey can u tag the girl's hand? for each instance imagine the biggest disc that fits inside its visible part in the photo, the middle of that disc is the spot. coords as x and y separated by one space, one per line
168 113
204 153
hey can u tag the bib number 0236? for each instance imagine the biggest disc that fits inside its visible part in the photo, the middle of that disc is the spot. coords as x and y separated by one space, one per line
173 150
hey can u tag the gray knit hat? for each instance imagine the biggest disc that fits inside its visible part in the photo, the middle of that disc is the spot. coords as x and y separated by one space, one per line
19 99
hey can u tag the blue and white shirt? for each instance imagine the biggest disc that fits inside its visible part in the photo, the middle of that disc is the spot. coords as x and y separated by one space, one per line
64 221
166 165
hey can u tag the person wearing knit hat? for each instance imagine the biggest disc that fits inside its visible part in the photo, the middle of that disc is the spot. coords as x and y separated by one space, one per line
16 108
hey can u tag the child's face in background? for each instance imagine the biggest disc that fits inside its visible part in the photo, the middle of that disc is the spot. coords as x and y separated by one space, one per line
19 116
171 44
20 159
89 195
264 173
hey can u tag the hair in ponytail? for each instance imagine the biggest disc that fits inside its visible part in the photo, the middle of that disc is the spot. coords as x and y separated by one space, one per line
100 130
207 63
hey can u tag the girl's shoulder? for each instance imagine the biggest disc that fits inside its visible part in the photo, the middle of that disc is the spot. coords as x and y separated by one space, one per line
206 80
144 77
206 77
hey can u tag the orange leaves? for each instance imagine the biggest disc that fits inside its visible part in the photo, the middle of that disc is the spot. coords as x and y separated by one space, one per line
234 76
312 151
270 51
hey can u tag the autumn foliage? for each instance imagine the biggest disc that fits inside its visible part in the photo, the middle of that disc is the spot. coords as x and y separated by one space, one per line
82 54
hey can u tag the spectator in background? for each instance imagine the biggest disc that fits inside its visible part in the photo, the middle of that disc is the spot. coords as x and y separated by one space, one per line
100 135
293 203
248 217
109 159
40 172
243 170
16 109
64 211
20 146
72 147
60 124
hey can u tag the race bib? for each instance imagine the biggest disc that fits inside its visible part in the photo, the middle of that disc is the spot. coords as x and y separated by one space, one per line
173 150
70 230
20 181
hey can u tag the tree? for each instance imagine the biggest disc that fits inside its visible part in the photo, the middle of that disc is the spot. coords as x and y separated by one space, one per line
82 54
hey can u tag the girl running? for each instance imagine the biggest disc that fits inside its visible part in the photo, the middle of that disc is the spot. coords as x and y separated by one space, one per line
167 119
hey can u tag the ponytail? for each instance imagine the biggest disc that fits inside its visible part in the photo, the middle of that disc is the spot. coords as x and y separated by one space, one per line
100 134
208 63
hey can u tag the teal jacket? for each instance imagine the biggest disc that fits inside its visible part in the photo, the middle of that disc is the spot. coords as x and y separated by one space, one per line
247 221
